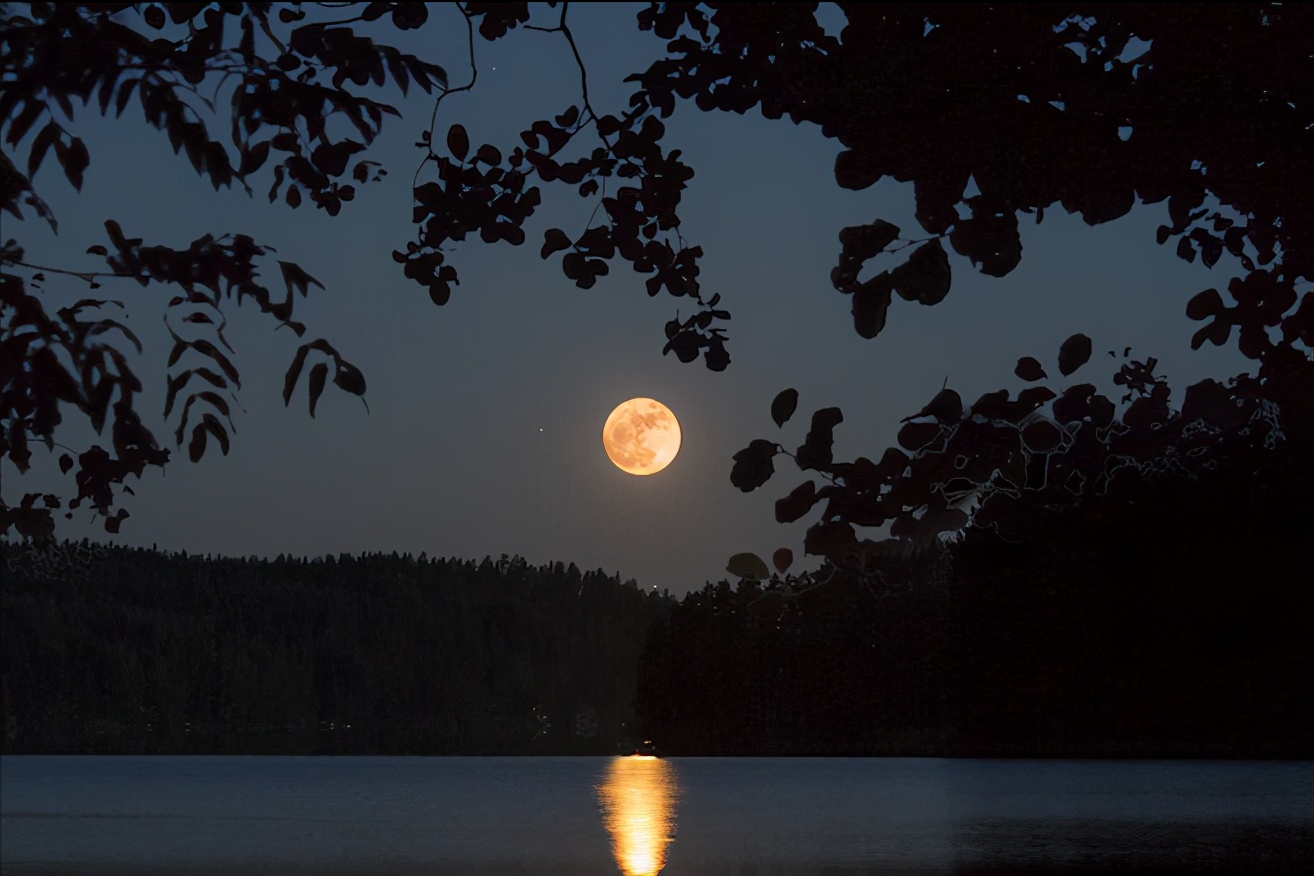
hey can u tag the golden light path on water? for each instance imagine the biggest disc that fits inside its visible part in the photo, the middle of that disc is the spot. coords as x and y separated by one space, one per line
638 807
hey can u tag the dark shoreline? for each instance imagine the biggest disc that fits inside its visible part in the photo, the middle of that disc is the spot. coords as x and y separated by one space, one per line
1294 866
993 754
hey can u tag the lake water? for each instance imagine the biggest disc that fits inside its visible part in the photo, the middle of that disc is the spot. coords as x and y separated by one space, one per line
212 815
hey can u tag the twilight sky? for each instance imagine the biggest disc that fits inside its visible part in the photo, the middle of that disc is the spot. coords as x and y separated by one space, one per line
451 460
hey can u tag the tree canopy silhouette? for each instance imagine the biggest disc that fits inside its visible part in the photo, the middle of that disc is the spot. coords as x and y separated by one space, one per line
992 113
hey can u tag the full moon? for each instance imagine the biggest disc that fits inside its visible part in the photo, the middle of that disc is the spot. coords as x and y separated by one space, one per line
641 436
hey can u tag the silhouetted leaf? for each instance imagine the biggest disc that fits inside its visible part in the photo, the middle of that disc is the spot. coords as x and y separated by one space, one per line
1146 411
1209 400
458 142
915 436
715 356
297 279
989 237
1204 304
862 242
1035 396
22 121
293 373
1029 369
254 158
753 465
209 349
784 405
1042 436
75 160
49 134
748 566
1217 332
318 377
409 16
1081 402
554 240
816 449
215 428
853 171
799 502
946 407
1074 353
196 447
65 463
832 538
925 277
112 524
568 118
349 379
871 305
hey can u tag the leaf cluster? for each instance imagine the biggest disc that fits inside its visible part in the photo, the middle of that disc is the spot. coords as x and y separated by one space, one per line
636 183
291 90
1010 463
68 359
1091 109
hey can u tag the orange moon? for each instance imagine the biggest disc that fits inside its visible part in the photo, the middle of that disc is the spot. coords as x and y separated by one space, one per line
641 436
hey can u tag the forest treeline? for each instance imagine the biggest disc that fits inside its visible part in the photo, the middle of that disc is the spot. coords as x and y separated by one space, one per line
117 650
1179 624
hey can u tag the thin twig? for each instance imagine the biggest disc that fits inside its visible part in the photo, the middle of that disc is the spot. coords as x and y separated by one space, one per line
82 275
579 62
564 29
474 76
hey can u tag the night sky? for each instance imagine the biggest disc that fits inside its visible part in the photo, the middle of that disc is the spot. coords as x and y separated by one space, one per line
485 415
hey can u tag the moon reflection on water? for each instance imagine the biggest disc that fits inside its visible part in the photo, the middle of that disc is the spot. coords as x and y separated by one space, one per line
638 800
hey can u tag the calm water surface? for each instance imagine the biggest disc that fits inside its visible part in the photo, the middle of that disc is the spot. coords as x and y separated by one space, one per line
643 816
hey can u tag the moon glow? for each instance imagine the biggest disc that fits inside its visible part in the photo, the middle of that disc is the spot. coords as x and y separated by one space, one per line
641 436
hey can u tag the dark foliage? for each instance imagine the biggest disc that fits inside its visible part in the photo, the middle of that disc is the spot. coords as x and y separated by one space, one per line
1179 625
1008 465
1091 108
111 650
290 92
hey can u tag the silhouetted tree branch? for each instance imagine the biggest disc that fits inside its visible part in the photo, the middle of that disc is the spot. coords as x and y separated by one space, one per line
1093 108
